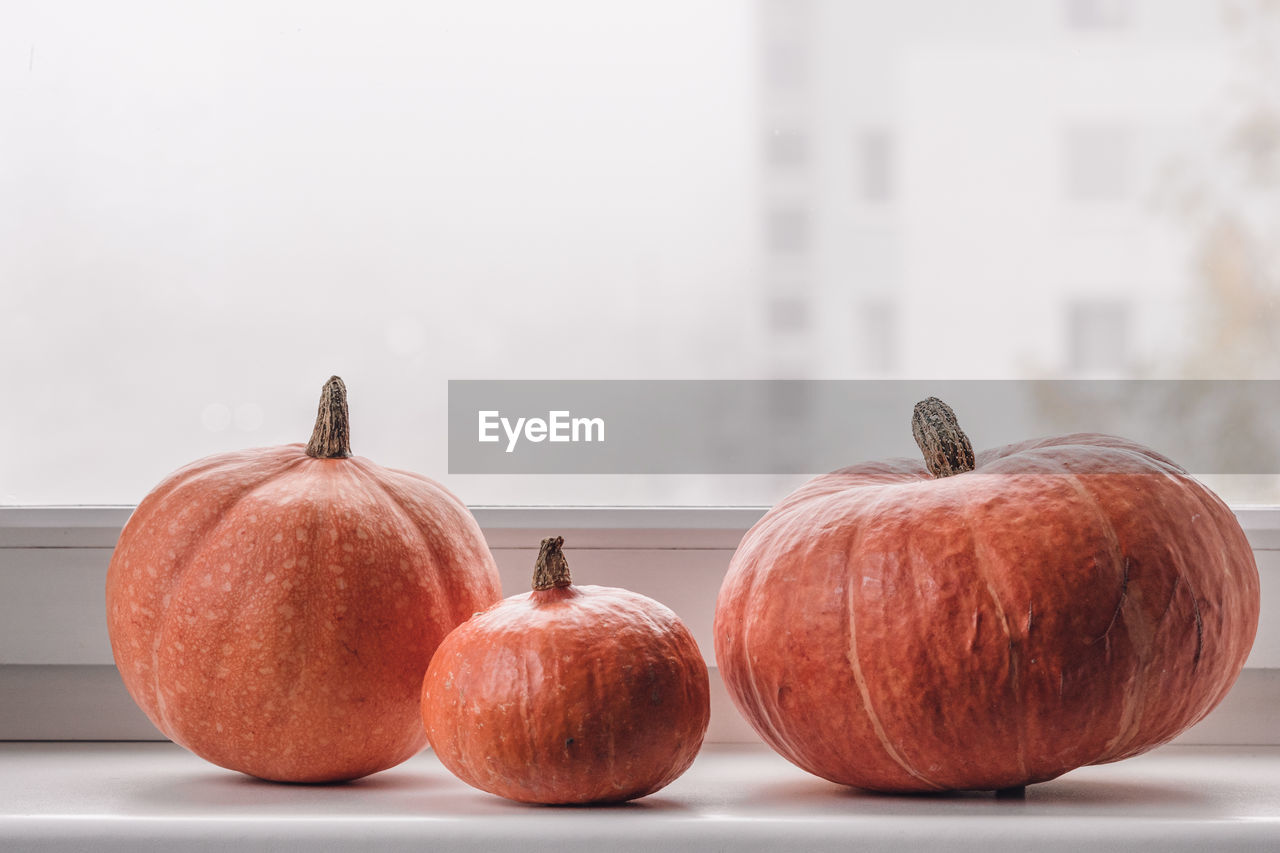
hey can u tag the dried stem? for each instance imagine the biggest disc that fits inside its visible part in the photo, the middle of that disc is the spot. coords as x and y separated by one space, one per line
331 439
946 448
552 569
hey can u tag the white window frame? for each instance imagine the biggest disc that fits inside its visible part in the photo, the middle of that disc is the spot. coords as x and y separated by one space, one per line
59 682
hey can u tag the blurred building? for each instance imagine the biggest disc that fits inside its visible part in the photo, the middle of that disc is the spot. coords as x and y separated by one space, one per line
927 166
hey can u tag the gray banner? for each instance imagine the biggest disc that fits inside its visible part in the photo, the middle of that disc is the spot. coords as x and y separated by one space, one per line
803 426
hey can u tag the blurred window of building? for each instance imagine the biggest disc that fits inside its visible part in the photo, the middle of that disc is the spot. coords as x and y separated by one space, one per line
788 315
1096 162
875 162
786 65
788 229
1098 14
877 338
1098 333
786 149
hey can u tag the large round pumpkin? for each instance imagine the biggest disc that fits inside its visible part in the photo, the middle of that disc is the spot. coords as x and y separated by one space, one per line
274 610
567 693
988 622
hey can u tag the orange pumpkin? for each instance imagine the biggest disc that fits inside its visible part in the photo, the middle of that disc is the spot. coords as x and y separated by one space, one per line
986 622
567 694
274 610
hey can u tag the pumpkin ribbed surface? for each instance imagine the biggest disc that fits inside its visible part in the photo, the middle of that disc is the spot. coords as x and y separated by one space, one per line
274 612
572 694
1070 601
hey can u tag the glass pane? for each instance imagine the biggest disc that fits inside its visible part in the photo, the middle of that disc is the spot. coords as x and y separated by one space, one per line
209 210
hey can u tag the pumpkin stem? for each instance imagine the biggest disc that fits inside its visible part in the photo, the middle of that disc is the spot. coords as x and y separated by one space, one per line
331 439
946 448
552 569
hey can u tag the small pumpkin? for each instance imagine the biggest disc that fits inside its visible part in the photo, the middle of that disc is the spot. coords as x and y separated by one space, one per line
273 610
567 694
987 621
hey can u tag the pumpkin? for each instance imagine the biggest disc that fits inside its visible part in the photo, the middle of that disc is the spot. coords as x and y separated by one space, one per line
567 694
987 621
273 610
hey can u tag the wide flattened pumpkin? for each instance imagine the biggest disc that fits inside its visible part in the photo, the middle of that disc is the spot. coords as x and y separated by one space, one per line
274 610
986 622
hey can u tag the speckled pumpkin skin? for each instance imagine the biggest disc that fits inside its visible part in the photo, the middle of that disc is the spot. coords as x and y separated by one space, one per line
274 613
577 694
1071 601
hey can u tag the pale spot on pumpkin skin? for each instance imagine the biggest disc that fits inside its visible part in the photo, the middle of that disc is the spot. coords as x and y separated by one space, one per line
226 587
336 569
300 534
207 580
289 563
279 537
270 576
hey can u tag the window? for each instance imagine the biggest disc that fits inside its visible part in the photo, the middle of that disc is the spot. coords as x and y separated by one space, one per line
789 412
788 315
786 65
1096 162
786 150
205 216
788 230
1098 14
1098 337
874 159
876 336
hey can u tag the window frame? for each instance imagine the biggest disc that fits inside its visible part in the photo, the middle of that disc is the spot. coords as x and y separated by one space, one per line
55 666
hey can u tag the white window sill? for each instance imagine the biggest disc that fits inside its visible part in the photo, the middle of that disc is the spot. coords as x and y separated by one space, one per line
136 796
